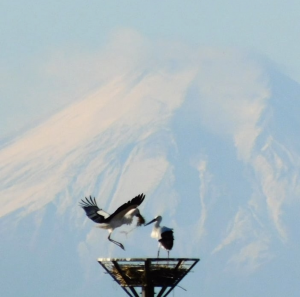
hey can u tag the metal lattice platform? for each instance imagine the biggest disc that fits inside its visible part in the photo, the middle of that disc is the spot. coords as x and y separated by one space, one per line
148 273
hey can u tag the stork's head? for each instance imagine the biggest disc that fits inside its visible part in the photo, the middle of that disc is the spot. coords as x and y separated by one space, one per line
140 219
157 219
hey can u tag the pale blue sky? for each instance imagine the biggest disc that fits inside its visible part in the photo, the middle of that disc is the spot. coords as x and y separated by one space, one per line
31 31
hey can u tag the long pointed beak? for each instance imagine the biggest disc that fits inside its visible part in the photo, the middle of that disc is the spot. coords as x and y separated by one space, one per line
150 222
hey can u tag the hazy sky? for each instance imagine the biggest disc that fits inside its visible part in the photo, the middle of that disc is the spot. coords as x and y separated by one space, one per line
36 34
53 53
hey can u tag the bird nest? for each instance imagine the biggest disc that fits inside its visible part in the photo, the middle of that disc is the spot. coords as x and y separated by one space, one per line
159 275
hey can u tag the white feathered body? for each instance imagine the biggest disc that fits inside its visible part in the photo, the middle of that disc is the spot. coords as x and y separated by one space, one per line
120 219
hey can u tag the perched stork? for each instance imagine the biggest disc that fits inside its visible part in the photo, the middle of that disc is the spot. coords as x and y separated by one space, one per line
164 235
123 215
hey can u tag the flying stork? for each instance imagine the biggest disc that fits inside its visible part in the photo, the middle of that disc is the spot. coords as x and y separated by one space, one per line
164 235
123 215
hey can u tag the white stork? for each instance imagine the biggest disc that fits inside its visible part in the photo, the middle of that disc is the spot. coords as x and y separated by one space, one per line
123 215
164 235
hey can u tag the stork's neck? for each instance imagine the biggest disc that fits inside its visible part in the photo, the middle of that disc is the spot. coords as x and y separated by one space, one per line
156 224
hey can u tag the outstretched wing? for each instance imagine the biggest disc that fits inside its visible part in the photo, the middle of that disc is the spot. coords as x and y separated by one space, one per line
92 210
131 204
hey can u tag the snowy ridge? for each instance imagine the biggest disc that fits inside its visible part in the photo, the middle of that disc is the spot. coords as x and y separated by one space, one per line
198 140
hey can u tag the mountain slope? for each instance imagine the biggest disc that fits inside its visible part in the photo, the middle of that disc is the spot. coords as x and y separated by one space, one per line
211 145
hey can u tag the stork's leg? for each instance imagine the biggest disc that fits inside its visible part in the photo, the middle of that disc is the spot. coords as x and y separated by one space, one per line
158 251
116 242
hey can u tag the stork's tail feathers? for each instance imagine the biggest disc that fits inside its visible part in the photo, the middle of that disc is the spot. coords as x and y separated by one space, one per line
140 221
167 239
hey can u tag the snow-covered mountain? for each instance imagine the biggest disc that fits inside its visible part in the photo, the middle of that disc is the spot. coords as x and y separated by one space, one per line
213 144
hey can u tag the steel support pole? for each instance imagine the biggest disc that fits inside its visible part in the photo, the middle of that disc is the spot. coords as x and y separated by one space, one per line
148 289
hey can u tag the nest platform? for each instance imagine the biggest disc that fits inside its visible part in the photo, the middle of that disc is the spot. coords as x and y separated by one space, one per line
162 274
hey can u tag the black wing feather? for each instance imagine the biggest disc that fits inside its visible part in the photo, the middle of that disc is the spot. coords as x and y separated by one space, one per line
91 209
131 204
167 239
